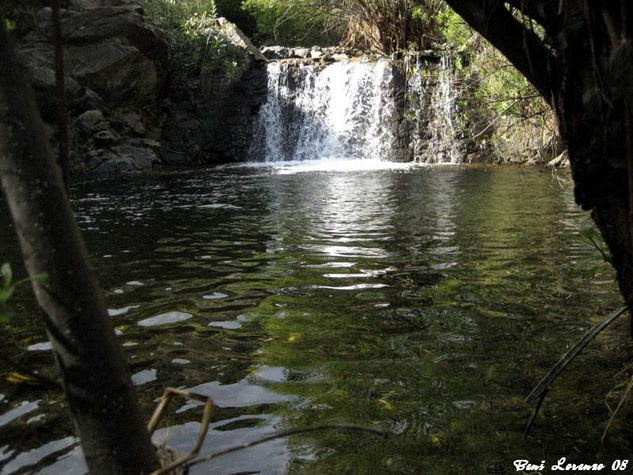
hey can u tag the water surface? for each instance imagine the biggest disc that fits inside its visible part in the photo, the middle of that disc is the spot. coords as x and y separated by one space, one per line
424 301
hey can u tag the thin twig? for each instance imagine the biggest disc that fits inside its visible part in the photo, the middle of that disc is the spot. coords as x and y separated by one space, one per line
493 121
558 368
535 413
60 92
204 425
287 433
626 392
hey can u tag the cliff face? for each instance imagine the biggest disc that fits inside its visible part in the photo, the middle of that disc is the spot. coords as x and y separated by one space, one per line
131 105
212 106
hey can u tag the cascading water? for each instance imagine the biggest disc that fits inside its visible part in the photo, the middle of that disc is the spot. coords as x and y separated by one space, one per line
356 110
345 110
443 145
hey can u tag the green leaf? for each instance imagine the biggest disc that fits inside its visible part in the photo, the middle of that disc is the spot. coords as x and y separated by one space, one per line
9 25
7 274
34 278
594 238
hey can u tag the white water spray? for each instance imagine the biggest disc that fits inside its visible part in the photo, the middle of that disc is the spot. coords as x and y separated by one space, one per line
443 145
343 110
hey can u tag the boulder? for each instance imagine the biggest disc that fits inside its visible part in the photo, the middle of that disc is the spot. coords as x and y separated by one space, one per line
316 54
88 100
117 72
128 157
275 52
92 122
114 50
125 23
93 125
133 122
238 41
301 52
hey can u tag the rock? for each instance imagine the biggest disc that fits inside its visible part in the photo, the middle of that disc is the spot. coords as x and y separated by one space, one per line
117 72
43 79
38 59
105 137
113 50
141 157
92 122
151 144
275 52
239 41
189 124
115 165
127 157
301 52
340 57
134 122
211 115
86 101
126 23
478 157
174 158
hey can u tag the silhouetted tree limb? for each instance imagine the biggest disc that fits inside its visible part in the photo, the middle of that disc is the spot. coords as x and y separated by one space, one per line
101 397
513 39
60 88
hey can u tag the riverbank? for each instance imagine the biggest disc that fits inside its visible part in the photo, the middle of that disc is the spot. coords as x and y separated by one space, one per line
141 98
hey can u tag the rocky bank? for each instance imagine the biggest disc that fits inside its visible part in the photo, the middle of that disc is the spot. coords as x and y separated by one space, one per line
131 106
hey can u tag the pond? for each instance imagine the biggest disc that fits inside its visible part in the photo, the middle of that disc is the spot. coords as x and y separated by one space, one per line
423 301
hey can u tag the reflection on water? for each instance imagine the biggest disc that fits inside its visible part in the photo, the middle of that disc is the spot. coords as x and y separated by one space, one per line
425 301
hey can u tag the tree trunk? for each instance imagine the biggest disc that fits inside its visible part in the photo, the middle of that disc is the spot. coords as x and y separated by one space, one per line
105 411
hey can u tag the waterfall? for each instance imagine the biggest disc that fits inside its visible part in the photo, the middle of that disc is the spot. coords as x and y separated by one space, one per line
357 109
345 109
443 145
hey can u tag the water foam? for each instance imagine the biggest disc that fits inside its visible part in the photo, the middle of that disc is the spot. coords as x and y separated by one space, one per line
344 110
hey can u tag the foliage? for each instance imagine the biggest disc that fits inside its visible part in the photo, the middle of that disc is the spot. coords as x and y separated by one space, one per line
381 25
384 25
522 123
192 25
503 113
8 24
173 15
8 285
453 30
17 15
595 239
292 23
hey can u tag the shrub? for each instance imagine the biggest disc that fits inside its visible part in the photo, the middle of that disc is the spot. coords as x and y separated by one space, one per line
172 15
292 23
